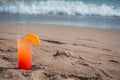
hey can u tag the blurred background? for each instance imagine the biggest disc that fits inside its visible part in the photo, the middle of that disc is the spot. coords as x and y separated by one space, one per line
79 13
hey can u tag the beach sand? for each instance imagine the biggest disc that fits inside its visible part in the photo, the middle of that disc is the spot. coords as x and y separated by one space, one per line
66 53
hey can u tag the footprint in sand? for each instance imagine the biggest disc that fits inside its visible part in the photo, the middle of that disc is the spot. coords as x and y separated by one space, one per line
63 53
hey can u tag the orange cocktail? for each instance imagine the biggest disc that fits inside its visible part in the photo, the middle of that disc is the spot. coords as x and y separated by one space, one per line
24 45
24 54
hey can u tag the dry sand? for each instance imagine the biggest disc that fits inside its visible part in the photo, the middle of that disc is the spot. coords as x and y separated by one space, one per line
66 53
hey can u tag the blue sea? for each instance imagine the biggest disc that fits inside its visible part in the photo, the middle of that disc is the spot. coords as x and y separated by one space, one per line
79 13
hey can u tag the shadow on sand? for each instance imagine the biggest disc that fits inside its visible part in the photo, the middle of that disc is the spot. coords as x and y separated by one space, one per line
6 68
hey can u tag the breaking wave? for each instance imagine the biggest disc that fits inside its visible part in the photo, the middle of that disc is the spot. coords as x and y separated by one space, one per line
58 8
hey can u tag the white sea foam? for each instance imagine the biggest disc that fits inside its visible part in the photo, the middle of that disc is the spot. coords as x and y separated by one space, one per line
61 7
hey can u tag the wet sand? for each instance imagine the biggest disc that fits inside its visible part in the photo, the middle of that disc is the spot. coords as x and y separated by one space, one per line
66 53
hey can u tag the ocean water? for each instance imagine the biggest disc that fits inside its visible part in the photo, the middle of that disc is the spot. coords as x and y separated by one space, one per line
85 13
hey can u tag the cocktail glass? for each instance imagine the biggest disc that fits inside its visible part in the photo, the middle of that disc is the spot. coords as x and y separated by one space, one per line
24 53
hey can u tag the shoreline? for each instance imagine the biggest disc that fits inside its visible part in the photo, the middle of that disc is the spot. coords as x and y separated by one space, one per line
86 21
61 25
